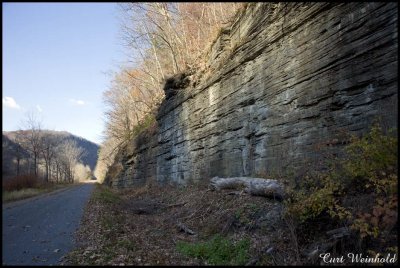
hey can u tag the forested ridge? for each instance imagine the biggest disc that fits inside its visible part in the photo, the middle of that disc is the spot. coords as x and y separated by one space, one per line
52 148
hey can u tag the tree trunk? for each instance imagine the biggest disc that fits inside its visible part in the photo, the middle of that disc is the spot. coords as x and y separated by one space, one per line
56 172
49 172
46 176
35 164
18 160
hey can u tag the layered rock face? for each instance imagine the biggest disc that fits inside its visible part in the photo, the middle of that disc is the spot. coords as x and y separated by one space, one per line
283 82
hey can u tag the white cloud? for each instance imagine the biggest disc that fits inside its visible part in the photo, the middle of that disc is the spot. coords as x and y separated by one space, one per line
77 102
39 108
10 103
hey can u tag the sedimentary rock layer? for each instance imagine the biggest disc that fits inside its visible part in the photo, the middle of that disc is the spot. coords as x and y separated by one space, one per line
286 83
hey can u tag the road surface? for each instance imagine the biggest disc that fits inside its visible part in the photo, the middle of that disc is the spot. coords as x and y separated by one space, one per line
39 231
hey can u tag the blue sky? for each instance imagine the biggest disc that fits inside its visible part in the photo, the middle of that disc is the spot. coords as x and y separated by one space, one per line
56 62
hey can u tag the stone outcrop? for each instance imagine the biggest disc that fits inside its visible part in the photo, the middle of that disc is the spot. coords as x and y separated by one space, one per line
283 82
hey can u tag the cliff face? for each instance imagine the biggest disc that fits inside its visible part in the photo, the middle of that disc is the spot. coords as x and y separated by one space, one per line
283 81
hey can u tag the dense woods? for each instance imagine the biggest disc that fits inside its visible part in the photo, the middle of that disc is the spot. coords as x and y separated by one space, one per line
162 39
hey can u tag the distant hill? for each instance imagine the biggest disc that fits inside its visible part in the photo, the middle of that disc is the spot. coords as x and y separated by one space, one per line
91 148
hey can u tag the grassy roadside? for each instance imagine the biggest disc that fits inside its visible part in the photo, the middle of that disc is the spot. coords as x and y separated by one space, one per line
10 196
140 227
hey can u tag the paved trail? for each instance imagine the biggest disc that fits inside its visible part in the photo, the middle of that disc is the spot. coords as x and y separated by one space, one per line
40 231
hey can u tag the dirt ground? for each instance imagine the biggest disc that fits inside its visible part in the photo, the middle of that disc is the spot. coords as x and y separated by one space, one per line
143 226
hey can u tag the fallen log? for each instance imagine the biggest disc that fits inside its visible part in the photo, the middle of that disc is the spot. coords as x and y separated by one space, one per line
184 228
254 186
339 233
176 205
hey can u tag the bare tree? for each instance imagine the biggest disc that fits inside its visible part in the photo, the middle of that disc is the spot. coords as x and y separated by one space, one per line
71 155
165 38
18 152
181 30
57 167
106 157
82 172
32 141
47 150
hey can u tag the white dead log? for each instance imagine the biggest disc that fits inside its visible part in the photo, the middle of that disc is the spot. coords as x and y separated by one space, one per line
339 233
176 205
254 186
184 228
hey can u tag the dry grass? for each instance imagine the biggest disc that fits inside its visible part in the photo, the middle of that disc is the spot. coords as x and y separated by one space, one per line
9 196
20 194
139 226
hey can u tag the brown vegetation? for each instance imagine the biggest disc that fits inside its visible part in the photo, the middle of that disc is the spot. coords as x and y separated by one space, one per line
156 225
20 182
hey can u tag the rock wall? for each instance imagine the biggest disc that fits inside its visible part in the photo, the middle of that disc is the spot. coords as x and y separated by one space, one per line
283 82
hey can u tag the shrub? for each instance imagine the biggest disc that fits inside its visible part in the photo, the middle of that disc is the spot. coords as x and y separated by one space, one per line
218 251
372 163
372 160
368 172
20 182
